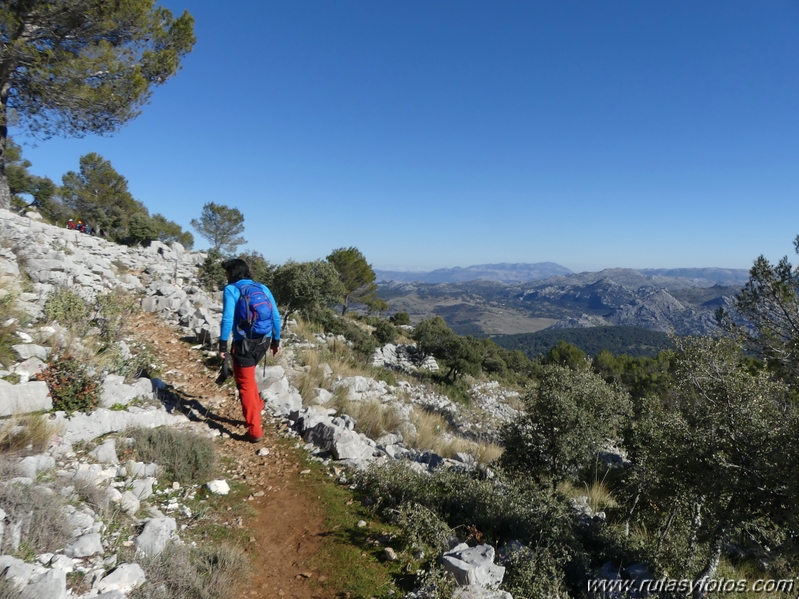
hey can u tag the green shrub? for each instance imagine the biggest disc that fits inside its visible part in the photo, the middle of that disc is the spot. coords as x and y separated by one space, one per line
401 318
187 457
111 311
362 342
210 273
184 572
67 308
423 528
385 332
71 386
142 361
8 335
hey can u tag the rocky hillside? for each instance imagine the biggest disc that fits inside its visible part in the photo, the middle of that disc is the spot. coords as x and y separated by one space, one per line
609 297
342 415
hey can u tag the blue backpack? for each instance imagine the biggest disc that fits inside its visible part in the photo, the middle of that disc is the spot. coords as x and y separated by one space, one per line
253 311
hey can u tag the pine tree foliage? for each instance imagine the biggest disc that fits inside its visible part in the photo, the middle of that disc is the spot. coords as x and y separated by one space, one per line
72 67
220 225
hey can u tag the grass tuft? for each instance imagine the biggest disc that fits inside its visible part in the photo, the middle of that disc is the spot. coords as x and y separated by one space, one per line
186 457
19 434
184 572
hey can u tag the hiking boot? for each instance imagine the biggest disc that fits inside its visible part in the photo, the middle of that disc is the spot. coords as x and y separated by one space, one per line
252 439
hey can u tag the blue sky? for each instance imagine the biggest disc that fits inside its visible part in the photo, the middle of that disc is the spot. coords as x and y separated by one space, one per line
644 134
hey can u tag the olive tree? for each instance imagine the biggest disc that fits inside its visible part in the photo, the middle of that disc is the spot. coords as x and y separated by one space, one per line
565 423
717 453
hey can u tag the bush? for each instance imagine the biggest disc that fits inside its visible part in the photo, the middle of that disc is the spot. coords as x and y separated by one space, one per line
186 457
41 514
210 273
401 318
362 342
385 332
111 311
184 572
67 308
71 386
8 335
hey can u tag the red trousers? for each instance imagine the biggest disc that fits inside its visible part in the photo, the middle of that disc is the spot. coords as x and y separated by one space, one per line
251 402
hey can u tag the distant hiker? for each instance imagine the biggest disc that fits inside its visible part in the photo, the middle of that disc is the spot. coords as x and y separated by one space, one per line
71 224
250 312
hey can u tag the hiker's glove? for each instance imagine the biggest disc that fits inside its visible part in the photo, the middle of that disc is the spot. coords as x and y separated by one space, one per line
223 346
275 346
226 371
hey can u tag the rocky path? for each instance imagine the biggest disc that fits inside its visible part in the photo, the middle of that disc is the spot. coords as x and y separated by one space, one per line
287 525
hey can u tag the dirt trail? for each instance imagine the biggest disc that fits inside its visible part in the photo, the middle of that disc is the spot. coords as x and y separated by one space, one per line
288 524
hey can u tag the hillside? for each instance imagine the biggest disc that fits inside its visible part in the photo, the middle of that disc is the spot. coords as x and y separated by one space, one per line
134 323
504 272
632 341
613 297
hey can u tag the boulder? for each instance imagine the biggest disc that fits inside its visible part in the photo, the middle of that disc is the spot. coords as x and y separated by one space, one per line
218 487
473 566
85 546
106 453
124 578
30 350
51 584
28 368
478 592
32 465
157 533
116 392
24 398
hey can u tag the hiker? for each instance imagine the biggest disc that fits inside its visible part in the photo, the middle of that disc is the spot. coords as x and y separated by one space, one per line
71 224
250 312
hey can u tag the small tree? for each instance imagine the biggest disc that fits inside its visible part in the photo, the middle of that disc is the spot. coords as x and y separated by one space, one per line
719 451
220 225
462 355
306 287
81 66
142 228
22 182
356 275
565 423
769 302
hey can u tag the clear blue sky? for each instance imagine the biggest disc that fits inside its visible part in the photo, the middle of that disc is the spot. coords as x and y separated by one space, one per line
450 133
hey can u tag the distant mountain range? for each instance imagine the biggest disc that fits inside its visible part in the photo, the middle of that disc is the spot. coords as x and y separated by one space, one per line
679 300
504 272
523 272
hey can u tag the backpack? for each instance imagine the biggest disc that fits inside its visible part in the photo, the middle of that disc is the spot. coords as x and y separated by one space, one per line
253 311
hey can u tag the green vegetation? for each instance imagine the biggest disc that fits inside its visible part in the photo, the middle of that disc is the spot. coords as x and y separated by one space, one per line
89 68
71 386
632 341
187 457
566 421
220 225
356 275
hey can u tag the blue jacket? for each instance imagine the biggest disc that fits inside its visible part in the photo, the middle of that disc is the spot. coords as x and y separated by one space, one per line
231 298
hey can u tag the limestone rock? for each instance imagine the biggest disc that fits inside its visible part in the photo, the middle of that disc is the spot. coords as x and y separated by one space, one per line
157 533
473 565
24 398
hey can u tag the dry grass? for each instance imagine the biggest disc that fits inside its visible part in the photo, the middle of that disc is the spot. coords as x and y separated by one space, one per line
306 330
30 433
184 572
373 418
42 516
599 496
485 453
